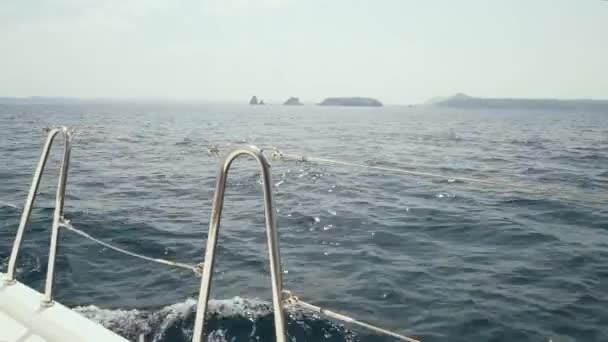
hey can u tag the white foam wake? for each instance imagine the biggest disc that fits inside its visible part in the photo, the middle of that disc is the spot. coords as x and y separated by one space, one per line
132 323
175 322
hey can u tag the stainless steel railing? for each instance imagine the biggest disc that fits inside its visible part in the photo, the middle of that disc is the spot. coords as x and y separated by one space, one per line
271 235
57 216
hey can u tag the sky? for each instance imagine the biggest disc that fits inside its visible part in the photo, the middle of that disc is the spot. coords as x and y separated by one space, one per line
399 51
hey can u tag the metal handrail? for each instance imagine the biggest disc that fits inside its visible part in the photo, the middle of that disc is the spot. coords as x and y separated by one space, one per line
57 216
271 234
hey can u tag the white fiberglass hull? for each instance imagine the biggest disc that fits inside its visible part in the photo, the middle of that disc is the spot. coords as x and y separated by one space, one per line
23 319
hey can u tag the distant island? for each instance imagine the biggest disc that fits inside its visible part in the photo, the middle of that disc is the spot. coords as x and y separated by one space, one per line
254 101
351 101
461 100
292 101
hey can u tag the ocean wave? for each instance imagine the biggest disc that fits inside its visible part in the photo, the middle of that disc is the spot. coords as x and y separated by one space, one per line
27 266
185 142
8 205
532 142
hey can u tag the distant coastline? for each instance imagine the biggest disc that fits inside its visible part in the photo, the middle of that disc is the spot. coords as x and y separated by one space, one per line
40 99
464 101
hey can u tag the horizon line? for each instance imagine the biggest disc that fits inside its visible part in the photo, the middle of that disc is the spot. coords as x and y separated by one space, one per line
430 100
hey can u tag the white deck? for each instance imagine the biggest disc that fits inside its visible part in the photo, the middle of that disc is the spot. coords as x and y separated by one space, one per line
22 319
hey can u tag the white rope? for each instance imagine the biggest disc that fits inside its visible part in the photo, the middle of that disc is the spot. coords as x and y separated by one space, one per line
390 169
197 269
278 155
292 299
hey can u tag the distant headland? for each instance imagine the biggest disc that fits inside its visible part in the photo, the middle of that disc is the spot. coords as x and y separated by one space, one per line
351 101
461 100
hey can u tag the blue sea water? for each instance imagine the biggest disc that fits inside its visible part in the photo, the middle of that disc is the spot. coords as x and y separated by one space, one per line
431 258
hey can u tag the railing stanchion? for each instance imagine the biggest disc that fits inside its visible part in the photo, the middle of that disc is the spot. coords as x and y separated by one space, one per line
271 235
58 214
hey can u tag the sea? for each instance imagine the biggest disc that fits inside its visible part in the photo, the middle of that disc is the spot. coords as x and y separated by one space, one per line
434 258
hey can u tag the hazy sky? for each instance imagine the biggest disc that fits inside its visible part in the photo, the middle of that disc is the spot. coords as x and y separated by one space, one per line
399 51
